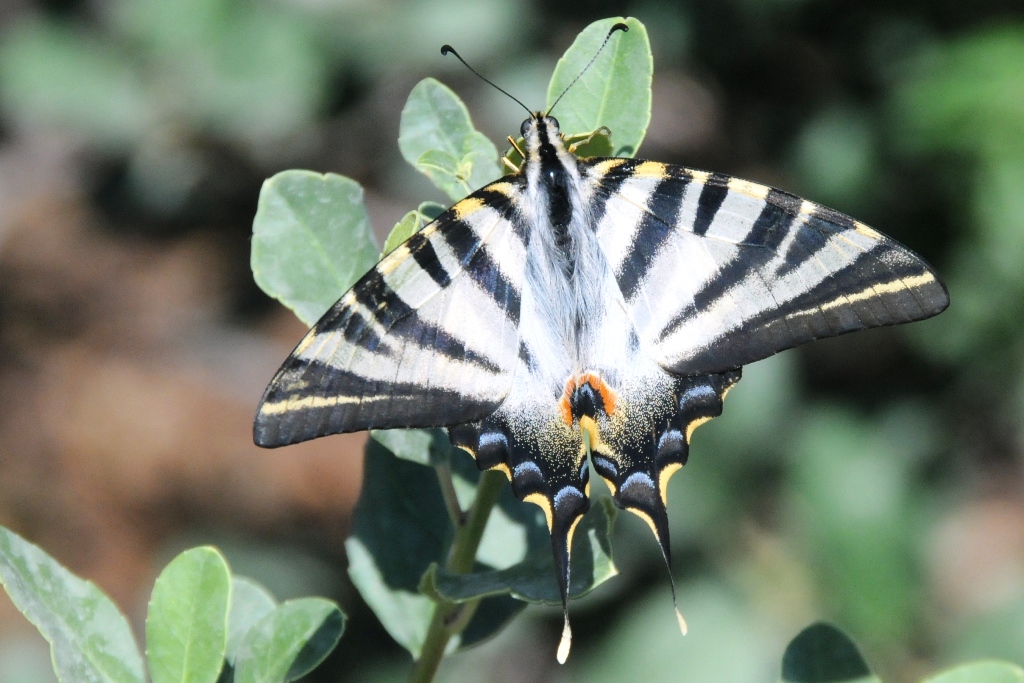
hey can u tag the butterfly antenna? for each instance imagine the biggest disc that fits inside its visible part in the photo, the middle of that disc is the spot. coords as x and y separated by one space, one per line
618 27
445 49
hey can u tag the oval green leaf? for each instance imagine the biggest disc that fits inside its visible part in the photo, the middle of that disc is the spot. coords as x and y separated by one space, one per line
289 642
431 210
821 653
250 602
186 626
52 74
615 92
311 240
980 672
437 137
90 640
408 226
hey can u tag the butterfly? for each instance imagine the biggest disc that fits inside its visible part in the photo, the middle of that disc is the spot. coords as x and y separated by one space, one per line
588 312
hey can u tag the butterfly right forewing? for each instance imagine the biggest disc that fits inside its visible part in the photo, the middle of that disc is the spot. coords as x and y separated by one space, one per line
718 272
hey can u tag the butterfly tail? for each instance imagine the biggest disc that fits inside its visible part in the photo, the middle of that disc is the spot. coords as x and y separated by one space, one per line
555 478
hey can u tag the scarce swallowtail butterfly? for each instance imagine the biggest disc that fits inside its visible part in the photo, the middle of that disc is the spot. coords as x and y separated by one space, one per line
586 311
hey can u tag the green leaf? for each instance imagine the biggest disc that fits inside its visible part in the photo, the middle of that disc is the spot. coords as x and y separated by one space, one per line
431 210
234 56
615 92
408 444
250 602
980 672
90 640
437 163
399 528
597 143
289 642
408 226
311 240
533 579
437 137
186 626
821 653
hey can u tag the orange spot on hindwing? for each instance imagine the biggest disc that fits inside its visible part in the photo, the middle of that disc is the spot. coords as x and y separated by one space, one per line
584 395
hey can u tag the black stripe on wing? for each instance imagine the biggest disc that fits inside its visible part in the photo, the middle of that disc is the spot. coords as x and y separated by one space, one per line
654 230
712 196
374 294
884 285
344 401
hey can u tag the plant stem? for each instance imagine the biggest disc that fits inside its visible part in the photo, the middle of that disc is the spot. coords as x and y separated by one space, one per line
451 498
451 618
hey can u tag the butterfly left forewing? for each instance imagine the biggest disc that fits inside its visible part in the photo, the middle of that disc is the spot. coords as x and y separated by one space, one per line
427 338
718 272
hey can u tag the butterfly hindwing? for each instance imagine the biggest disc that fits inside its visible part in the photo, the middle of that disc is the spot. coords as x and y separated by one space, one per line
718 272
638 448
429 337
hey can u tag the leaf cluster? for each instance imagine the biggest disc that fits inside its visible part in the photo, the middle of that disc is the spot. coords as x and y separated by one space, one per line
203 625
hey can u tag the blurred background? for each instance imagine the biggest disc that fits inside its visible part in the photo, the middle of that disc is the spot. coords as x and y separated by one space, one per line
874 480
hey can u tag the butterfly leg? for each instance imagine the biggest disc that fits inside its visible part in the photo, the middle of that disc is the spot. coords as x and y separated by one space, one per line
603 130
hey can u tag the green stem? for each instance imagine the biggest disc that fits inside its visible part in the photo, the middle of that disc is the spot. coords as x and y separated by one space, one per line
451 498
451 618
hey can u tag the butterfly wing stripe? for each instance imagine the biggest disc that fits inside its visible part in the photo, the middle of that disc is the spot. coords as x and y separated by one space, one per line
426 258
798 248
654 230
493 281
348 399
493 274
827 266
819 300
620 223
712 196
842 313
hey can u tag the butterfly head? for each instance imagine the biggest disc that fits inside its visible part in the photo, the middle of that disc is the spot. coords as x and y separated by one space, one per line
543 137
536 121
